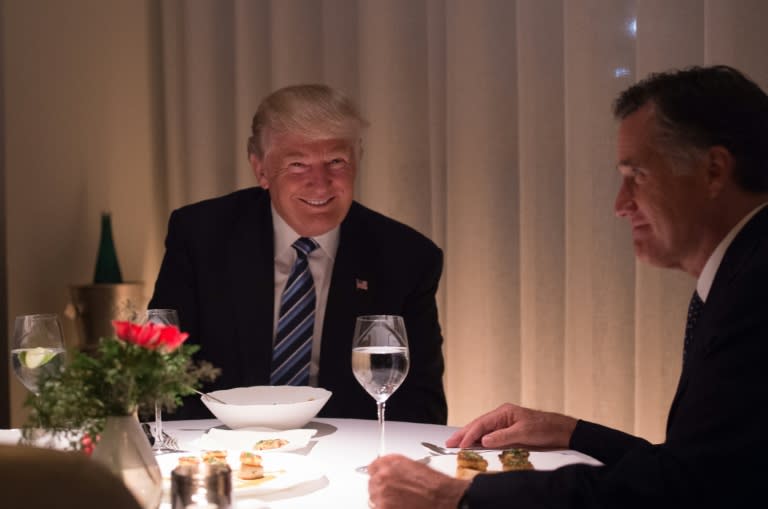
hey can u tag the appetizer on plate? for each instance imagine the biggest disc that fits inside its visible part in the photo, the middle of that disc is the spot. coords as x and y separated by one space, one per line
215 456
189 460
250 466
251 472
469 464
515 459
270 443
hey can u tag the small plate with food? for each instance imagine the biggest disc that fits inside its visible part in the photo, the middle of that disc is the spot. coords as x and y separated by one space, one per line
261 441
252 473
467 464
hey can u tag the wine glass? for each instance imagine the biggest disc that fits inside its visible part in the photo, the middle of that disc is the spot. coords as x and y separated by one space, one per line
161 317
38 347
380 360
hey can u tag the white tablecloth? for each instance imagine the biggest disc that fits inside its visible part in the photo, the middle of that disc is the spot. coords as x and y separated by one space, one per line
339 447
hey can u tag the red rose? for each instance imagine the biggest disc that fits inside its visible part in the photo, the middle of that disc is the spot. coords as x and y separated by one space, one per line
152 336
170 337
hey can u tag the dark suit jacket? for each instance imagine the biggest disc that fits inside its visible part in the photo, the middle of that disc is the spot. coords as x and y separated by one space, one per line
716 449
218 272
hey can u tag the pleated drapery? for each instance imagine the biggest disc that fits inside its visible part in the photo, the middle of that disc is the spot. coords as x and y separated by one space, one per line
491 133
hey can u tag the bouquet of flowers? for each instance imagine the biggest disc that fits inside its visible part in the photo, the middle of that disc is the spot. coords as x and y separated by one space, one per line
140 366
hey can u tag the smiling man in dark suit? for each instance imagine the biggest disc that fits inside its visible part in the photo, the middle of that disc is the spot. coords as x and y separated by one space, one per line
269 281
693 154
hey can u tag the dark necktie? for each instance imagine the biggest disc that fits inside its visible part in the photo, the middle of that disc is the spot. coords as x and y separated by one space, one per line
694 310
296 322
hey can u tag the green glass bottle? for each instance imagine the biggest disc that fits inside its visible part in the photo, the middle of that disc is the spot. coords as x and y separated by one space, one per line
107 268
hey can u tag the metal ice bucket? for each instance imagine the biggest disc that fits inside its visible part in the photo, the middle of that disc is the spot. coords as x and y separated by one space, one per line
95 306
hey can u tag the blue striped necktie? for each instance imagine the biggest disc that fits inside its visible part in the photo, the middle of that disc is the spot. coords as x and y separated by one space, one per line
296 322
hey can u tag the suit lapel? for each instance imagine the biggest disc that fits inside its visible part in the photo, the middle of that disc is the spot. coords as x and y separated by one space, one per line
251 271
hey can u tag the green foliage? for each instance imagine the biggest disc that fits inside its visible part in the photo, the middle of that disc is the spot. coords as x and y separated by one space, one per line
119 378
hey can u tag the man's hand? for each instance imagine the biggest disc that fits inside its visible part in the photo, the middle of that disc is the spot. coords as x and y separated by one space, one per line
511 425
397 482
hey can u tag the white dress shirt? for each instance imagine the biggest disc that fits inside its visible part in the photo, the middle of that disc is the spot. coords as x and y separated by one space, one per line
320 265
707 276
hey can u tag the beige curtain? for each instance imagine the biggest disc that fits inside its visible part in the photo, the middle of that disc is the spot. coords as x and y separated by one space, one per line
490 132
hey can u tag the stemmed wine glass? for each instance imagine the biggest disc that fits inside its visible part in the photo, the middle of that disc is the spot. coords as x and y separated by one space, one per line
380 360
161 317
38 346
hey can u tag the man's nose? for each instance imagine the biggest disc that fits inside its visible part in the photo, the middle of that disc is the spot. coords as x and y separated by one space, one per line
319 174
625 203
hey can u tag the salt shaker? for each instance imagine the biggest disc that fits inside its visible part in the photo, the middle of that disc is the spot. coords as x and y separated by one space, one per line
208 486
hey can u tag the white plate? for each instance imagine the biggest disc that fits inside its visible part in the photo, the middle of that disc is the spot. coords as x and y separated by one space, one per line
282 470
244 440
545 460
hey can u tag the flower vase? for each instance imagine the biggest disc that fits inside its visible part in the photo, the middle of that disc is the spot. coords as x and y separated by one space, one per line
124 449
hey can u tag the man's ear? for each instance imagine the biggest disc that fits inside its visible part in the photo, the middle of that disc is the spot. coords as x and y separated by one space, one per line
719 169
257 165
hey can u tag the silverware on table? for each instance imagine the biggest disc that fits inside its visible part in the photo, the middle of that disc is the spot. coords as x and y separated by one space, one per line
168 443
436 449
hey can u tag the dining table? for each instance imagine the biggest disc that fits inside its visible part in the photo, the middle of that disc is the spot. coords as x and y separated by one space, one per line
336 450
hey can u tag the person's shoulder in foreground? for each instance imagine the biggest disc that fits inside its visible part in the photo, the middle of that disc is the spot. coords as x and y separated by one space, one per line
693 156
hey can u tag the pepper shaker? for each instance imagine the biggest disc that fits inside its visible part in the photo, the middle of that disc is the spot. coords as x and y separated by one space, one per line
208 486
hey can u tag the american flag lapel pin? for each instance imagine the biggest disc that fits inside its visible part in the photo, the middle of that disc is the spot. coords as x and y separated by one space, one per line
361 284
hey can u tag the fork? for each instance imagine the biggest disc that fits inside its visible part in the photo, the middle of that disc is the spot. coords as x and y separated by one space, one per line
437 449
167 444
170 442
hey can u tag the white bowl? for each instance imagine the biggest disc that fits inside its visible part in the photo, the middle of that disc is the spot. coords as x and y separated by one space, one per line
276 407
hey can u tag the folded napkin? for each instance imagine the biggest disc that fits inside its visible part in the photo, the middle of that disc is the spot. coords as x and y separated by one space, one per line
248 440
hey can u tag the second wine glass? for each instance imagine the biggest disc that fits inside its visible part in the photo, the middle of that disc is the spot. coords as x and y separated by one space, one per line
380 360
161 317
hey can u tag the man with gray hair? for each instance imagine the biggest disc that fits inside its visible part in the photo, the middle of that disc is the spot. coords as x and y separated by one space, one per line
269 281
693 156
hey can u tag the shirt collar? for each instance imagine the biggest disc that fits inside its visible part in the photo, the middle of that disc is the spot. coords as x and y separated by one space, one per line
285 236
707 276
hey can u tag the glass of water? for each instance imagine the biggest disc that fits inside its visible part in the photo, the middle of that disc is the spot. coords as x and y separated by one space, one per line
37 347
380 360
